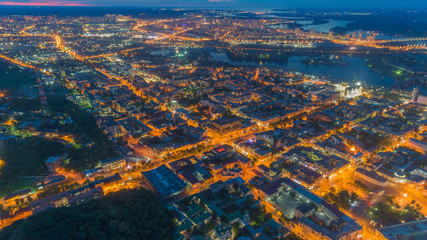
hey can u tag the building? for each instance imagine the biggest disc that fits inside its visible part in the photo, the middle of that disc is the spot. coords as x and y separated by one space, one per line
7 141
112 164
191 213
52 180
304 210
337 146
271 174
164 181
20 194
350 90
4 217
53 163
67 198
353 91
108 184
418 98
55 201
191 172
113 128
226 125
371 177
319 219
223 232
405 231
417 145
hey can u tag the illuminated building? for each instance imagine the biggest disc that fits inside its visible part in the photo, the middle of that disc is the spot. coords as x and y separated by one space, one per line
370 177
164 181
350 91
404 231
20 194
226 125
113 128
417 145
419 98
338 226
112 164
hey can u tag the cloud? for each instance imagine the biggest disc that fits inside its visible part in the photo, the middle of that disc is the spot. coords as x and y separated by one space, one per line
64 3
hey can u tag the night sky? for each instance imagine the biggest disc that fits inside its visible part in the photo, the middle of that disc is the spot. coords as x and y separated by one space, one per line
228 3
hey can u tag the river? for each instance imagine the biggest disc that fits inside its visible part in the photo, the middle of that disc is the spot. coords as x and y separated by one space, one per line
356 70
323 27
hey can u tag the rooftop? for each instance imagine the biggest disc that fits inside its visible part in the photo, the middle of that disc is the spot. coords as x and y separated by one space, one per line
398 231
225 120
52 159
371 174
164 180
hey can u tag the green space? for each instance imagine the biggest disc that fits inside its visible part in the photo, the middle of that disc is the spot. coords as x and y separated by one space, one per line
24 159
391 70
388 211
368 138
12 76
242 55
312 155
342 199
83 125
258 216
390 22
128 214
27 156
362 186
391 96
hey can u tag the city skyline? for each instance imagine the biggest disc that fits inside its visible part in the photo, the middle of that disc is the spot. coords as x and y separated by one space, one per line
223 3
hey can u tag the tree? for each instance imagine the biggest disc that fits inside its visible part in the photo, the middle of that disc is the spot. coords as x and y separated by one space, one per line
87 181
127 214
267 217
292 236
223 219
235 227
25 158
353 196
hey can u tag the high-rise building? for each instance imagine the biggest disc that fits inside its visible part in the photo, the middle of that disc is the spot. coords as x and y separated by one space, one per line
360 34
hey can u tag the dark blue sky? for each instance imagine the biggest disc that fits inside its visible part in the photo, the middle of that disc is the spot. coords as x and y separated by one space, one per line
231 3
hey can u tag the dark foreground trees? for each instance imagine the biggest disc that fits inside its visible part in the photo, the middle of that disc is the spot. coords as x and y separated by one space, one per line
127 214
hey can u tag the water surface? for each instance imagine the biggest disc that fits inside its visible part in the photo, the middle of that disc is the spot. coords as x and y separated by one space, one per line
355 71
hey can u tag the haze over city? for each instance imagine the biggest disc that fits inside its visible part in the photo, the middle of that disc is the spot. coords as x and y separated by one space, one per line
420 4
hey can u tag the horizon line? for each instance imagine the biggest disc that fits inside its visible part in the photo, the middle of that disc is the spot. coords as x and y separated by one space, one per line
71 4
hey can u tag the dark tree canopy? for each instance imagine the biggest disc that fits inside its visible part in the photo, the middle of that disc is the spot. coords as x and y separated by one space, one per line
25 158
127 214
